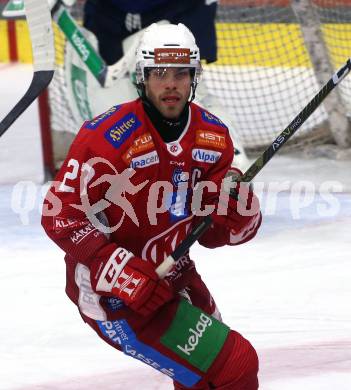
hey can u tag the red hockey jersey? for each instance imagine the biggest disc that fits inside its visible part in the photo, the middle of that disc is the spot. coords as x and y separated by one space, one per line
122 186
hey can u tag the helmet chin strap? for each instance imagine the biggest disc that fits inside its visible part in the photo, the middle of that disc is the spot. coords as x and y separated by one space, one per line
141 90
193 90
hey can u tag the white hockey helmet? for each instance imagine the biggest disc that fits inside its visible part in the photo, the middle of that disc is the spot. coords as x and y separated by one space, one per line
167 45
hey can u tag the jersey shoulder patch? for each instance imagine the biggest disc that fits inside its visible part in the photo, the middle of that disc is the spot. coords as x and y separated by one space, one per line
210 131
211 139
122 129
212 119
115 125
98 120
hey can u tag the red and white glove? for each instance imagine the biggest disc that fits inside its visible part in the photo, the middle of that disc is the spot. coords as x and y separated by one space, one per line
133 280
240 211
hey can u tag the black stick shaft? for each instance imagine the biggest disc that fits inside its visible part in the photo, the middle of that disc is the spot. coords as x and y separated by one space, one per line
42 39
40 81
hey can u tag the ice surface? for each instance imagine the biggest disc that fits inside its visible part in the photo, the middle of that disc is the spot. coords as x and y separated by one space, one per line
21 143
288 290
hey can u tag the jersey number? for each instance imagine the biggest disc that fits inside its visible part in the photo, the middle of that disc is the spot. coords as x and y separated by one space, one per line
72 174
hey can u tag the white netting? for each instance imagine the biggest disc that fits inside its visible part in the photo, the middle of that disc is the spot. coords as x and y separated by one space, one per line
336 28
63 125
264 75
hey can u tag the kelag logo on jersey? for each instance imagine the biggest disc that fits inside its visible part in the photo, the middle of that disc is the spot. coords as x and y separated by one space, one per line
206 156
195 336
122 130
209 118
119 332
93 124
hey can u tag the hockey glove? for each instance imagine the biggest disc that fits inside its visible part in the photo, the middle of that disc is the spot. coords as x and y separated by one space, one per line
243 207
133 280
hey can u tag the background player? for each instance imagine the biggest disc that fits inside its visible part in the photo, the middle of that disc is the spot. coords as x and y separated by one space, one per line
114 20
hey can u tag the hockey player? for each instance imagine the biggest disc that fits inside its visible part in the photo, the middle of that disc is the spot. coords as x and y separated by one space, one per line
123 200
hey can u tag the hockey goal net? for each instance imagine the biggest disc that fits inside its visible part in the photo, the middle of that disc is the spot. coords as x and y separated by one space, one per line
273 56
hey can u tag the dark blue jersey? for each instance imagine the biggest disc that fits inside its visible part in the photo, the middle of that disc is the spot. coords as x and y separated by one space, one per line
114 20
138 6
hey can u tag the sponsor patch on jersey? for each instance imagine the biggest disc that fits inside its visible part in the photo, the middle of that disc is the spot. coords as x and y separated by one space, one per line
210 118
206 156
140 144
94 123
211 139
195 336
61 224
113 331
119 332
78 235
172 56
145 160
122 130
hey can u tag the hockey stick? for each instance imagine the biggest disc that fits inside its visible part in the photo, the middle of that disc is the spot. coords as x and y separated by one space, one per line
13 9
105 74
163 269
42 37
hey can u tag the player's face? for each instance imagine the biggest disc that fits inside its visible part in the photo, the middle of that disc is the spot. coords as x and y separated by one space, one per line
169 89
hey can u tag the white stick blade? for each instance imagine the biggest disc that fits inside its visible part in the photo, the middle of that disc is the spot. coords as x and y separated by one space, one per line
40 27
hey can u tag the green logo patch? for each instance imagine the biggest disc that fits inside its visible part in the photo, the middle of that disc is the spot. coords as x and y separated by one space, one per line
195 336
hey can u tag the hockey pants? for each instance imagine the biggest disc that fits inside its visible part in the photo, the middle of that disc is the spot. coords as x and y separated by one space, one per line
187 342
